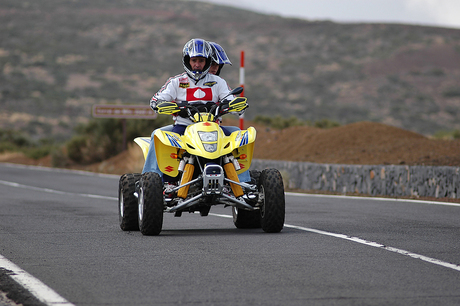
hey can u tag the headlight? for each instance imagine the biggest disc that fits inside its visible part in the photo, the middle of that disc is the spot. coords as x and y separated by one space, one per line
208 136
210 147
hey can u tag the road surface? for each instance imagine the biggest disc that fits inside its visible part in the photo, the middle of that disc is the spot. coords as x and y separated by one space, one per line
59 230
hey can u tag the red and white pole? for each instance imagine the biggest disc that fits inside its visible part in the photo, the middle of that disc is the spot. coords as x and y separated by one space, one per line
242 85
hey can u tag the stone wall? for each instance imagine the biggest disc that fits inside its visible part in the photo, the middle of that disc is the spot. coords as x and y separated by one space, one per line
374 180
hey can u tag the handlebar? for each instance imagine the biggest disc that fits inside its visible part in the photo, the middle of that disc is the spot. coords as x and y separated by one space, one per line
222 107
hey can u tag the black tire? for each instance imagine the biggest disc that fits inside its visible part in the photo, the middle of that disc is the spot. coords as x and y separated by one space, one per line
246 219
255 176
150 202
127 202
271 192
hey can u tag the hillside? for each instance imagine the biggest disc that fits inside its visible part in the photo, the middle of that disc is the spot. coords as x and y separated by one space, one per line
364 143
58 58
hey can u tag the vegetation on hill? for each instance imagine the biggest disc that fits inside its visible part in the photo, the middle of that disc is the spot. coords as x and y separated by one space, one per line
58 58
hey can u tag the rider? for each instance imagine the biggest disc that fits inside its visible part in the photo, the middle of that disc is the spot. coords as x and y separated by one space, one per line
195 85
219 57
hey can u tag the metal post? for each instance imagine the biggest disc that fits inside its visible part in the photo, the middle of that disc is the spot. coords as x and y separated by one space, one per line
242 85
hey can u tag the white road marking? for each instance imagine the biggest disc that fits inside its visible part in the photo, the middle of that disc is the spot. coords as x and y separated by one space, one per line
368 243
373 199
94 196
41 291
378 245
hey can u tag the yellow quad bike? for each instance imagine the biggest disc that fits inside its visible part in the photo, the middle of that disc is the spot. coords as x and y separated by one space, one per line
206 163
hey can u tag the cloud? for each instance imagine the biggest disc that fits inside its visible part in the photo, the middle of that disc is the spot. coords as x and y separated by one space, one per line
423 12
440 11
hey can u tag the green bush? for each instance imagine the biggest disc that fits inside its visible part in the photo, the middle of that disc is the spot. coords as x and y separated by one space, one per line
279 122
59 159
38 151
15 141
326 124
75 148
101 139
442 134
451 92
456 134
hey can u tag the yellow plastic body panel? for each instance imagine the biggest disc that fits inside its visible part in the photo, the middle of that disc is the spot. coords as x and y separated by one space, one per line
144 143
169 146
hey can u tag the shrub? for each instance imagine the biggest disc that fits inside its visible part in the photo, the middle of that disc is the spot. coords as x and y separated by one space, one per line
451 92
442 134
101 139
326 124
278 122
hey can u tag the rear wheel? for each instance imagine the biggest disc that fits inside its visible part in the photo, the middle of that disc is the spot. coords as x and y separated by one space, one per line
271 193
150 202
127 202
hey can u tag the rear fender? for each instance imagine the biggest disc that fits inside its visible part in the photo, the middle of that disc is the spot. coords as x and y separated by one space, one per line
144 143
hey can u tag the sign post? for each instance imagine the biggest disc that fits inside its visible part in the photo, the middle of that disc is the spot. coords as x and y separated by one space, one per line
123 111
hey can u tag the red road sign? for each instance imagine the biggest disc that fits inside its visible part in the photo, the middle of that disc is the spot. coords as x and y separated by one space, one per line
123 111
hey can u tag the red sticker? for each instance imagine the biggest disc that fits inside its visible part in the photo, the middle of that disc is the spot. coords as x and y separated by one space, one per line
198 94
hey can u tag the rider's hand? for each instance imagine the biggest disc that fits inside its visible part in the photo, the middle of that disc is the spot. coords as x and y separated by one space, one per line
183 108
223 107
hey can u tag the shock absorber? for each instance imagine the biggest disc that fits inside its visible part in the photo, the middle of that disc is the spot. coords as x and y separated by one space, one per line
230 172
186 177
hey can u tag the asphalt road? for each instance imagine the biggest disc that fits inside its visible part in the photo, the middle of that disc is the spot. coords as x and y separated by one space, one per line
61 227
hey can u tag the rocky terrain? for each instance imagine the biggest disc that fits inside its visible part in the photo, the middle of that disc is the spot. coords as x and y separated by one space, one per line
58 58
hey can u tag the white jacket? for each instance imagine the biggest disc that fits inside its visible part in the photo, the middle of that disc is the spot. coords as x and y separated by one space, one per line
179 88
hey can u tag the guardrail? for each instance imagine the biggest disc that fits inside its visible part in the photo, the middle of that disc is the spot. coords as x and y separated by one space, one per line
375 180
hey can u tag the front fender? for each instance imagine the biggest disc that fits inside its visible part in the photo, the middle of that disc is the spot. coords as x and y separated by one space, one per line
169 146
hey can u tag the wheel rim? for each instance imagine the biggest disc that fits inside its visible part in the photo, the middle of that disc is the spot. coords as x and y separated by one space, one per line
262 197
121 203
141 204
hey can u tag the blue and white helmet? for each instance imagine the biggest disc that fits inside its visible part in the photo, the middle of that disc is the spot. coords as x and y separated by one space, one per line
219 56
196 47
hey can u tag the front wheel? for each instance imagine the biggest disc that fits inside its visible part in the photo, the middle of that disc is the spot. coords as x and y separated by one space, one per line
271 193
150 202
245 218
127 202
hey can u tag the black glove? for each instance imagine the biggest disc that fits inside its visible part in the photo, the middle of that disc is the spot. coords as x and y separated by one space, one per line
223 107
183 109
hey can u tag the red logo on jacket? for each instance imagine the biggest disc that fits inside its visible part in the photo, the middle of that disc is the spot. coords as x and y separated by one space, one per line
198 93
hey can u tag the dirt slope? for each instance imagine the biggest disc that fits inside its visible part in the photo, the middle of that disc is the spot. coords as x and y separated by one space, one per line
364 143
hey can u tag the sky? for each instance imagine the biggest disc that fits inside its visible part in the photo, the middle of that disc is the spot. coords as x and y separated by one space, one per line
440 13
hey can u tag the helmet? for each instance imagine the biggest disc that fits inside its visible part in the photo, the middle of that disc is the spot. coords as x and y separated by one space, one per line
219 56
194 48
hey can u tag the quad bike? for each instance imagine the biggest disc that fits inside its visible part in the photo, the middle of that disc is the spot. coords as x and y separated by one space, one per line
207 164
